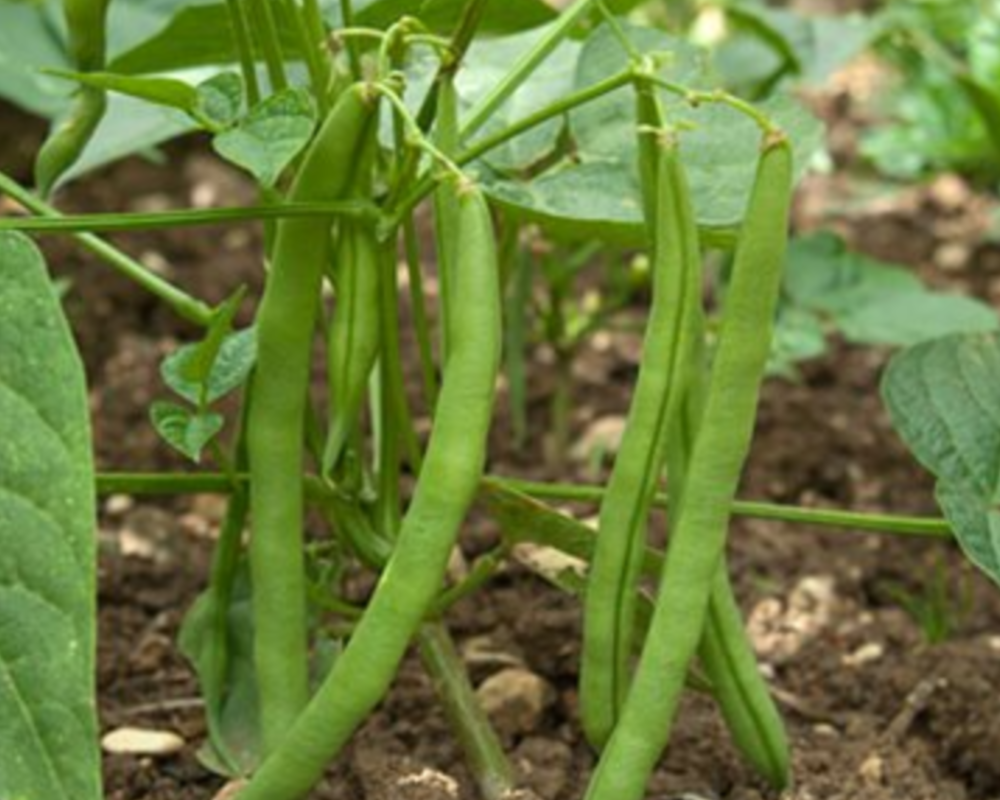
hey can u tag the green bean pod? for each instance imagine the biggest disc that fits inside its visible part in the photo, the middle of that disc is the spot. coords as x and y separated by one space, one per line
86 22
285 323
448 483
609 618
353 342
698 540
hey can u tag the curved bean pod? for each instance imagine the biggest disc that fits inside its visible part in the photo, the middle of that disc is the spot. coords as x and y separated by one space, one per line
353 342
285 322
697 544
609 619
446 488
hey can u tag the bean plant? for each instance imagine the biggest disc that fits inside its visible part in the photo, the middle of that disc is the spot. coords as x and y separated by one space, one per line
355 123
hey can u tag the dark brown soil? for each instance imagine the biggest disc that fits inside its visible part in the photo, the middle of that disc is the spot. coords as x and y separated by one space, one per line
874 711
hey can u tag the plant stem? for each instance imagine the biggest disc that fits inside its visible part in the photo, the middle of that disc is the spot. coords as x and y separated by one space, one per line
426 184
418 303
166 484
465 31
483 753
353 57
244 49
311 54
528 63
159 220
929 527
263 23
183 304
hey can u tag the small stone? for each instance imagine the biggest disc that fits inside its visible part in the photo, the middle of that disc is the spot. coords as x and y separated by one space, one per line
141 742
515 700
872 651
872 770
231 790
118 504
826 731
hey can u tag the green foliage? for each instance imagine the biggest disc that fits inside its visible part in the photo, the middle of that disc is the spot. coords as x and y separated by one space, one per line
830 288
946 103
943 397
48 726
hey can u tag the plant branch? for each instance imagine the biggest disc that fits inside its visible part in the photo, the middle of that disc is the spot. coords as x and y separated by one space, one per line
183 304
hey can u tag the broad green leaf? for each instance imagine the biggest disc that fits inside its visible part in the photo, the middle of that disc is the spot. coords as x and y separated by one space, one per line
270 136
185 430
594 192
486 64
944 400
228 367
823 275
907 319
48 725
27 43
798 336
506 16
196 36
875 303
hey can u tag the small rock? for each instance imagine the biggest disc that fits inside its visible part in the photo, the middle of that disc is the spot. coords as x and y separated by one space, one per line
118 504
872 651
603 435
515 700
141 742
872 770
231 790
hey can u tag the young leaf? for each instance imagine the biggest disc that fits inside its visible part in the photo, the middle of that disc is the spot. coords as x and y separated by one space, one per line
944 400
48 726
185 430
266 140
229 365
220 98
168 92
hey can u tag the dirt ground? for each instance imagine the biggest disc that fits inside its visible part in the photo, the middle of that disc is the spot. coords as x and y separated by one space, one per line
875 711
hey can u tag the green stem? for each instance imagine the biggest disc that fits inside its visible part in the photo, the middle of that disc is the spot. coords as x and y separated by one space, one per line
311 54
523 69
426 184
353 57
159 220
483 753
266 29
244 49
183 304
160 484
461 40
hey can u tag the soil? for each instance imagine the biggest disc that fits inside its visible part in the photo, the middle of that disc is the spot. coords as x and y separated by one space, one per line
875 710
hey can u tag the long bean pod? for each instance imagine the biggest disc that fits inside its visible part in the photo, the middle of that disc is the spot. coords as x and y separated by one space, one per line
285 323
697 543
611 598
353 343
448 483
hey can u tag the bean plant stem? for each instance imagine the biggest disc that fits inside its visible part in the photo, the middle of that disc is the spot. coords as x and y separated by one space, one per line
244 49
265 27
183 304
158 220
483 752
168 484
523 69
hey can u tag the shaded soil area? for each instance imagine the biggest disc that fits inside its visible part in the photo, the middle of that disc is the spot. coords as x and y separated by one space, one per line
840 619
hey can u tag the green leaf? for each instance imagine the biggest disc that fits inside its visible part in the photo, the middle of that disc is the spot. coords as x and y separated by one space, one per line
875 303
228 367
595 192
944 400
503 17
196 36
267 139
183 429
48 726
902 320
220 98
